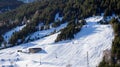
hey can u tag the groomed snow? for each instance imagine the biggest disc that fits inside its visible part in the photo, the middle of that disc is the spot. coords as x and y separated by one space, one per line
93 38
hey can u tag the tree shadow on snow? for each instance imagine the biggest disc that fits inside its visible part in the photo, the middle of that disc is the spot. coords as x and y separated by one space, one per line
43 51
86 31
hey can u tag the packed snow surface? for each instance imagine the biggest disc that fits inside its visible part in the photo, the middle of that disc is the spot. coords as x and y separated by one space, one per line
93 38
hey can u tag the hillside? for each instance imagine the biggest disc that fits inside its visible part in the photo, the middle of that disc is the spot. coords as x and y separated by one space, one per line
7 5
67 33
93 38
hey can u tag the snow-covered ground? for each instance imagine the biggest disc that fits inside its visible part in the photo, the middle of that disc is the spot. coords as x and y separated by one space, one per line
8 35
93 38
39 34
57 17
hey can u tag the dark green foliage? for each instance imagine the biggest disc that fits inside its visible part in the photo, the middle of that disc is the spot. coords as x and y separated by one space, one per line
104 64
69 9
112 7
66 33
103 22
44 11
21 35
56 23
71 29
9 4
116 28
118 52
117 65
1 39
115 53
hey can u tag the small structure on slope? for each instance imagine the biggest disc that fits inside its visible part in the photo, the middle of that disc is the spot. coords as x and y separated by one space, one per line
34 50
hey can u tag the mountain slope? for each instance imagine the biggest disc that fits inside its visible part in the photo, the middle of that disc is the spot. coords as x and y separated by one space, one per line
7 5
8 35
93 38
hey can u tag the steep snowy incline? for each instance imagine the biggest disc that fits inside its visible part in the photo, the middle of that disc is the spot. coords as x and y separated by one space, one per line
40 34
8 35
93 38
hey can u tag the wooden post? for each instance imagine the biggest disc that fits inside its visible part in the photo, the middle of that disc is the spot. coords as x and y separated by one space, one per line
40 60
26 65
87 59
56 55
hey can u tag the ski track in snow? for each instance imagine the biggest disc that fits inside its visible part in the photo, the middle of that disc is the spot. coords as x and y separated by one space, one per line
93 38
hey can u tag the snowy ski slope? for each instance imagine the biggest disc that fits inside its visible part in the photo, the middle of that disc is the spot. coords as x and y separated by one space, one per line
93 38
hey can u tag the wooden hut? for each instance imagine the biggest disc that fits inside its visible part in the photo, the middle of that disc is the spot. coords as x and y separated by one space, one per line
34 50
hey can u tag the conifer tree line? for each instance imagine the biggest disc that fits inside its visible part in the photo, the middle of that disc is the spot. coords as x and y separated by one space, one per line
45 11
71 29
8 5
115 51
